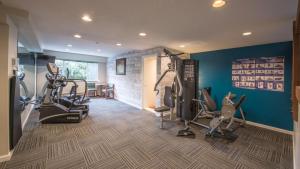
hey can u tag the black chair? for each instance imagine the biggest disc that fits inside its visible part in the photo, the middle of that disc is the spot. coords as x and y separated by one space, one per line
109 91
169 105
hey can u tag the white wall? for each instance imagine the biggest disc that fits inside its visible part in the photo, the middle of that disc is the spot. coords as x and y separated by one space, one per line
129 87
149 80
8 51
102 72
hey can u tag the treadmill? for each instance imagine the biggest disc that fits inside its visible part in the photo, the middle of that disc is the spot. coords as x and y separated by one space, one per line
53 112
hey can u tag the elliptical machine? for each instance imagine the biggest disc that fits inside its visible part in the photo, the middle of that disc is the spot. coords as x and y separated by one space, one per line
51 111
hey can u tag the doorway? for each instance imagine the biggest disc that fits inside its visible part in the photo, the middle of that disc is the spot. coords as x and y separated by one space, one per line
149 76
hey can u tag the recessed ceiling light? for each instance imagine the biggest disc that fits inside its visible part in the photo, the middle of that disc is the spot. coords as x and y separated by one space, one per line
86 18
182 46
143 34
69 45
218 3
77 36
119 44
247 33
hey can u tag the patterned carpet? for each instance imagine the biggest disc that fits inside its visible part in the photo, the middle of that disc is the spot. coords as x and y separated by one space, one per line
116 135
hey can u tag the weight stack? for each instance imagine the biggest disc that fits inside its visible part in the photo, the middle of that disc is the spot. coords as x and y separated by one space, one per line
189 79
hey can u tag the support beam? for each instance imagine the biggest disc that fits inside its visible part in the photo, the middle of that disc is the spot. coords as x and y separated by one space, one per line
8 52
297 24
296 63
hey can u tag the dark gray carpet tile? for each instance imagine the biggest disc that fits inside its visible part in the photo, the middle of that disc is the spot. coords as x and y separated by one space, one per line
116 135
30 143
270 136
264 153
87 131
141 136
287 149
122 126
54 130
63 148
242 166
214 159
74 160
156 147
133 156
30 159
113 162
285 162
123 143
198 165
190 148
197 152
154 163
90 140
175 159
59 137
110 135
97 153
41 164
2 165
254 162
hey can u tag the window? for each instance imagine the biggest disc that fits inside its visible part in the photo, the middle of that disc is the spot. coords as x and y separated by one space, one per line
78 70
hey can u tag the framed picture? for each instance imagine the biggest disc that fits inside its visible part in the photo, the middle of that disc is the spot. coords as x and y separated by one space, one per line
121 66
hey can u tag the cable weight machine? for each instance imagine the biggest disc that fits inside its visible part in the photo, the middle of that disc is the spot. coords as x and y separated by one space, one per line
183 90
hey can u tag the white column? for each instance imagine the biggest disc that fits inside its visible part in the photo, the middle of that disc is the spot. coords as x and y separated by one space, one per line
297 135
8 52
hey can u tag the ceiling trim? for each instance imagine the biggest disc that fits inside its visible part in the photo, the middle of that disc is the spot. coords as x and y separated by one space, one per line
26 34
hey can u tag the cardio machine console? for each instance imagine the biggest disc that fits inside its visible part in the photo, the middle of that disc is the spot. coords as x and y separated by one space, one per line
52 68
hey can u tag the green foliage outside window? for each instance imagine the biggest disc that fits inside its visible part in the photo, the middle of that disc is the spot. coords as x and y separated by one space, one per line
78 70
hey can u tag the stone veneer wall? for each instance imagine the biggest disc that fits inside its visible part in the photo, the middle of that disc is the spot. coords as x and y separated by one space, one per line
129 87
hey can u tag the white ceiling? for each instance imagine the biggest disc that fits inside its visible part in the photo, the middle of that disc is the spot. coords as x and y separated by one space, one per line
170 23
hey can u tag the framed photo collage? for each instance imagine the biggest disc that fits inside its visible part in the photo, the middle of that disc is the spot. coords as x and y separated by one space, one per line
266 73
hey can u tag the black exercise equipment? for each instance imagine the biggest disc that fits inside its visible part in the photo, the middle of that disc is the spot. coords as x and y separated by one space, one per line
75 98
24 99
188 72
15 109
172 67
206 108
51 111
169 105
184 85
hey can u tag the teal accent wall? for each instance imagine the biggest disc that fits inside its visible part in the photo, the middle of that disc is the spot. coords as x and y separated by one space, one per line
261 106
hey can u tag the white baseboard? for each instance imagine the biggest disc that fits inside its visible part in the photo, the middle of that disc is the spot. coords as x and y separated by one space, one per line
296 145
131 104
267 127
28 114
157 114
6 157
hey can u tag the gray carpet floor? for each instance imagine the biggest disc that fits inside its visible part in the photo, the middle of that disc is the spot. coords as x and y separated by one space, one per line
116 135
